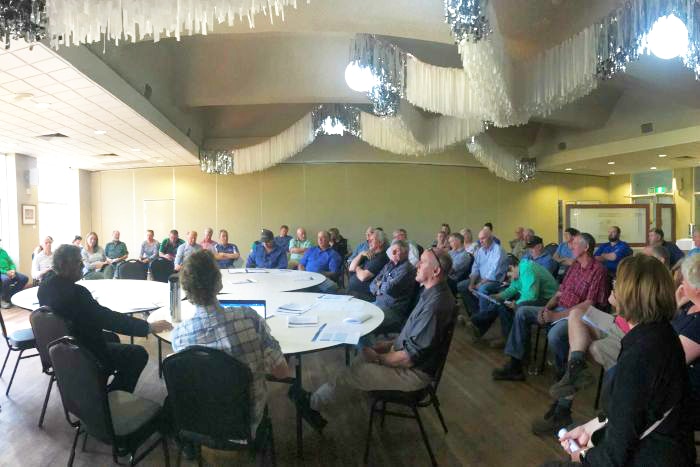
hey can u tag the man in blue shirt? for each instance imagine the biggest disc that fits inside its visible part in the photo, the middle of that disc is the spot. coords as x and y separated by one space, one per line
364 246
486 276
696 244
611 253
284 238
535 252
267 254
324 260
656 237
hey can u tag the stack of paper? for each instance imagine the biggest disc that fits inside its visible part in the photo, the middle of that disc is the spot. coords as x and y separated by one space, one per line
294 308
337 298
297 321
338 333
242 281
357 317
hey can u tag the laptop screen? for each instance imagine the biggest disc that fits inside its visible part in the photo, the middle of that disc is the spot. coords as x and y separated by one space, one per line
260 306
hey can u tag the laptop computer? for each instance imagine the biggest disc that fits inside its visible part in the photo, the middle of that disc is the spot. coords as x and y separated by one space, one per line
260 306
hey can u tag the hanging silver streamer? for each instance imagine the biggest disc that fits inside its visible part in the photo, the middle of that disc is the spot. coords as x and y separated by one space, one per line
22 19
216 161
526 168
388 63
467 19
337 116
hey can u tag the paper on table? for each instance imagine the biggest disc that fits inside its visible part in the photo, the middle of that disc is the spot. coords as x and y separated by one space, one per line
357 318
304 279
242 281
302 321
237 271
294 308
338 298
339 333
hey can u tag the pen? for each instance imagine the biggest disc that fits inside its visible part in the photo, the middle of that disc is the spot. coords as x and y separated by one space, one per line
318 332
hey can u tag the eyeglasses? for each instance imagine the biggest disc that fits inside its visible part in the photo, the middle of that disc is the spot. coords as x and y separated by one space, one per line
437 258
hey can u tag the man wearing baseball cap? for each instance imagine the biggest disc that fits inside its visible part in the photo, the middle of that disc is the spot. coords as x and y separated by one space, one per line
535 252
267 254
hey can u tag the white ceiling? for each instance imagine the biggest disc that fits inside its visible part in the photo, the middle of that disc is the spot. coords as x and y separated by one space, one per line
42 94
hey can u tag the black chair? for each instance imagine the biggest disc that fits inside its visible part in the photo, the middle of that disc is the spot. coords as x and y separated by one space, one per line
133 269
161 269
118 418
18 341
47 327
539 369
420 250
414 400
551 248
209 396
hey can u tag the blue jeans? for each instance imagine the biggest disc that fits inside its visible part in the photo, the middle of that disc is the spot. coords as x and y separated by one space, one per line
12 286
518 344
485 312
506 315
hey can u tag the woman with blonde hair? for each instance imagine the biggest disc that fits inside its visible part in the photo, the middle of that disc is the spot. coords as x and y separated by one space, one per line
94 259
645 421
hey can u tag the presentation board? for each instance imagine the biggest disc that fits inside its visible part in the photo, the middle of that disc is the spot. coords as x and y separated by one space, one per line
633 219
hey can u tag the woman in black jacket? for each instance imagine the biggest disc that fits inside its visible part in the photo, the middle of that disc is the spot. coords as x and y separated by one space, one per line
644 422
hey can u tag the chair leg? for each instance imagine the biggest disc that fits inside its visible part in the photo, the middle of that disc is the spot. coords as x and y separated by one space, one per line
369 430
544 354
166 451
46 402
12 378
179 456
381 422
425 436
436 404
7 356
75 443
85 441
160 358
347 355
600 387
273 455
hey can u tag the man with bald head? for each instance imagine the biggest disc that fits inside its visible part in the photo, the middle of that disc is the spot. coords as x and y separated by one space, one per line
207 243
413 255
394 288
517 245
324 260
408 363
186 249
297 247
115 253
487 274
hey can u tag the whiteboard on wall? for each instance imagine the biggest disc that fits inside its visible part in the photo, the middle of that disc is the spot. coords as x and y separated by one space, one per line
633 220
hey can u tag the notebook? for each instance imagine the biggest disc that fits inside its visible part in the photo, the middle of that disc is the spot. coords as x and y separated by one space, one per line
258 305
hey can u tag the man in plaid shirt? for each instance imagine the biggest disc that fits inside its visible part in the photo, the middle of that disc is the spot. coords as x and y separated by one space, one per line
241 333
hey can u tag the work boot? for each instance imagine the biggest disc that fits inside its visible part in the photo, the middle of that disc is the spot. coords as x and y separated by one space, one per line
577 377
556 418
512 371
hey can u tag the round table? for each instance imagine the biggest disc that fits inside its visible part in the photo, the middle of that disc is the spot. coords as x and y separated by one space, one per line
122 295
293 341
261 280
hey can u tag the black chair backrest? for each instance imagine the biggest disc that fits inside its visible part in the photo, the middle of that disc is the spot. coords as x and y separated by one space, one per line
511 259
161 269
133 269
47 327
82 382
445 349
551 248
420 250
209 392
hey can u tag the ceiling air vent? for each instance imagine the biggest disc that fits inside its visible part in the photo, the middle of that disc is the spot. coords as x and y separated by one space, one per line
52 136
647 128
683 158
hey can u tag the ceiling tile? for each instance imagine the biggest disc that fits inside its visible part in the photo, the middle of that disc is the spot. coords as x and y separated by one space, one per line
24 71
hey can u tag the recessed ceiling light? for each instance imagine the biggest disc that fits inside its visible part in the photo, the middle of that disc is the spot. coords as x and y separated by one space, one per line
652 168
135 149
611 163
568 169
160 160
662 155
612 173
42 105
100 132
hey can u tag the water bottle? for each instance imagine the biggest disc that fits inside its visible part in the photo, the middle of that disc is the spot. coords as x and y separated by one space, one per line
174 281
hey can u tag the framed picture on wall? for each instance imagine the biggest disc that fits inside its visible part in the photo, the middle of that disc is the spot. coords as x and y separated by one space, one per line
29 214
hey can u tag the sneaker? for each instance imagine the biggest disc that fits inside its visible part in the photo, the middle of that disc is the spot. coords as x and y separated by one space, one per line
5 305
302 399
474 331
577 377
558 418
510 372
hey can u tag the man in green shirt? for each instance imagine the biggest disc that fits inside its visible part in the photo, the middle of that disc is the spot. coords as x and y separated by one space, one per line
115 253
168 247
12 281
531 283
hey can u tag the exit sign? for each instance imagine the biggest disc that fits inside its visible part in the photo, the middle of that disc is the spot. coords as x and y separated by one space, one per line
656 190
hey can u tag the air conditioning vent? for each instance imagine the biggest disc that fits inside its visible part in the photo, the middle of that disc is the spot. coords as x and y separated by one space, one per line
684 158
52 136
647 128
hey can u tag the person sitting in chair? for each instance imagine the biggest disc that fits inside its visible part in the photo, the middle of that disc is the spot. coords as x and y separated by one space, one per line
86 319
394 288
407 363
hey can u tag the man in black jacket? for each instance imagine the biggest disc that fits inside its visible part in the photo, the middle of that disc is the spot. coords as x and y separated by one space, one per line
86 319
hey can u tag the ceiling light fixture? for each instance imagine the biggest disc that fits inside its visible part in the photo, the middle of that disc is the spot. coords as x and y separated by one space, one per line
612 173
652 168
668 37
568 169
42 105
135 150
611 163
160 160
359 78
662 155
100 132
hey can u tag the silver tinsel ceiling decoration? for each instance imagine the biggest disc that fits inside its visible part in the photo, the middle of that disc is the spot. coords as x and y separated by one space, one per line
467 19
526 168
22 19
218 162
331 119
388 63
